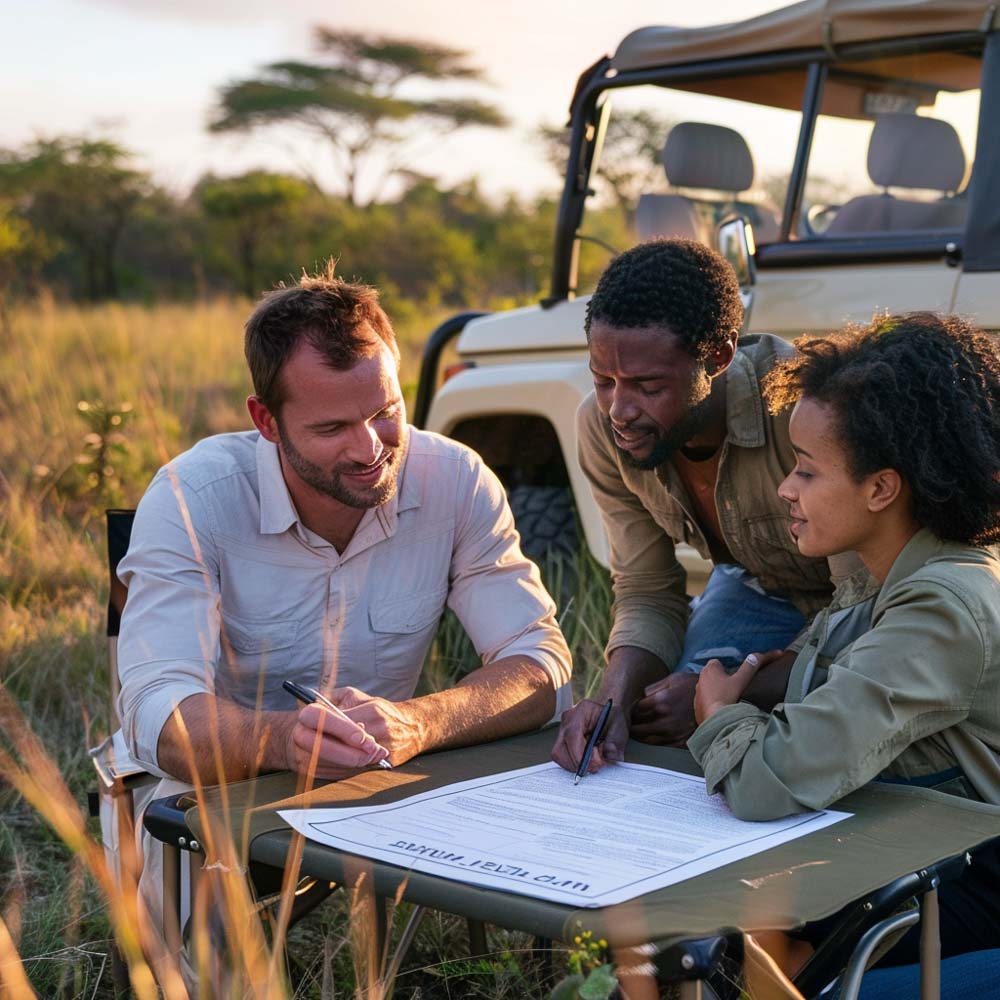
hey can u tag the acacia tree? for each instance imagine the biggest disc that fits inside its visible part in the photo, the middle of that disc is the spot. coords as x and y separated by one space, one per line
357 98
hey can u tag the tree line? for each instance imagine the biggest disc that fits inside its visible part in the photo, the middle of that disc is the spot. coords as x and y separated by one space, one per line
77 214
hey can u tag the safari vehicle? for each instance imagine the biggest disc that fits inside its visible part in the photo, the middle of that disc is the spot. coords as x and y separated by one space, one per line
853 137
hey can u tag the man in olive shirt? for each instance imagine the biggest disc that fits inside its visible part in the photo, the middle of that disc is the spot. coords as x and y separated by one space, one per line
678 446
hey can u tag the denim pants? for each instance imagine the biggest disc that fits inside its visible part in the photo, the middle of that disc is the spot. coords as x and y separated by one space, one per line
733 617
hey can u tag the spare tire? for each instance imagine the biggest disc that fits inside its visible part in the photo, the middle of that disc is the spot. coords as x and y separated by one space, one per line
546 520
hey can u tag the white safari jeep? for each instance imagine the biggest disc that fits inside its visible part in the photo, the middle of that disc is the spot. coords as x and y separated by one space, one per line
852 134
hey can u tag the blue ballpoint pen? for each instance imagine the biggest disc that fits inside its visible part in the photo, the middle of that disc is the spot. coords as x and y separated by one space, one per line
310 696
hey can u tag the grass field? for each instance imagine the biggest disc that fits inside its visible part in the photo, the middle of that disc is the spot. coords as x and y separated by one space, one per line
92 401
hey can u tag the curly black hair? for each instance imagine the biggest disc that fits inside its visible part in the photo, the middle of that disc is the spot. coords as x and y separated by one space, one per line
918 393
678 284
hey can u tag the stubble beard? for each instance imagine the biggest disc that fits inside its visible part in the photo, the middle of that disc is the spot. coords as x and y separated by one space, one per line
667 442
330 483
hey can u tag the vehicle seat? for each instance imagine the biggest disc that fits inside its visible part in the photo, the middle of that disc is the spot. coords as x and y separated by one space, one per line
706 157
908 151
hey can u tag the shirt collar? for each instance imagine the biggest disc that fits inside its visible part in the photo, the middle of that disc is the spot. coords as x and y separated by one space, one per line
920 549
744 406
408 490
277 512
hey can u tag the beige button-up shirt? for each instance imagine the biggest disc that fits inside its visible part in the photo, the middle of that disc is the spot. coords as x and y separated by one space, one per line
913 695
646 513
230 593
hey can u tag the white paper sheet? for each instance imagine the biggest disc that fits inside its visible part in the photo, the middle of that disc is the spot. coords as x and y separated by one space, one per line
620 833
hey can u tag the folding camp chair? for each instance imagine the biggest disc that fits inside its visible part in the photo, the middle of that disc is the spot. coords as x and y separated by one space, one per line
120 777
114 804
838 967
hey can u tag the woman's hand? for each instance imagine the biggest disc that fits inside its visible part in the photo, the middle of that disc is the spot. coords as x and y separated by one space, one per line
716 688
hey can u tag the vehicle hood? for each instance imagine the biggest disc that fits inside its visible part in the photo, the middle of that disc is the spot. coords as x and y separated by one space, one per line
529 329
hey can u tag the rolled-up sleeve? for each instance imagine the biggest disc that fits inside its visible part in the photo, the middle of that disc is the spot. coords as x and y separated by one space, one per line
650 608
169 639
913 674
497 592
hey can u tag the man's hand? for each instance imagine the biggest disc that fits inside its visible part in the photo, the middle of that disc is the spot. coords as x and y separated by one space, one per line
343 748
575 727
665 717
716 688
396 725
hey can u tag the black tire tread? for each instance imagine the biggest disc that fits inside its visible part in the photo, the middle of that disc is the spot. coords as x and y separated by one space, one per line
546 519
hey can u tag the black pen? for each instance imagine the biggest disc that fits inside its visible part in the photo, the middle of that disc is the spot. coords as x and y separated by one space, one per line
310 696
595 737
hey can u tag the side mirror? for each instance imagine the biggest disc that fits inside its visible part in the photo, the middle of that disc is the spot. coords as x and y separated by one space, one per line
736 244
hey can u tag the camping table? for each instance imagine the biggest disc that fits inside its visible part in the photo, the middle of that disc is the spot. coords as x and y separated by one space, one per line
896 831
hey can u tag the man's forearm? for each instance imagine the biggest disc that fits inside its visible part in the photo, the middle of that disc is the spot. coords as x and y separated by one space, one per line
220 741
629 672
508 697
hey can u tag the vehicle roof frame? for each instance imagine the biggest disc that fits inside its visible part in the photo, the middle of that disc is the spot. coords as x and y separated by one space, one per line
593 84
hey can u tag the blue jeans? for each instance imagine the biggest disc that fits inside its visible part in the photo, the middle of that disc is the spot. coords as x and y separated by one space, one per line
733 617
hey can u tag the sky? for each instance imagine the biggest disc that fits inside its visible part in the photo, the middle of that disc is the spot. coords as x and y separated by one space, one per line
147 72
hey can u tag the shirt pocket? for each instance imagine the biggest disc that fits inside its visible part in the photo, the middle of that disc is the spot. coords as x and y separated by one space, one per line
404 629
268 648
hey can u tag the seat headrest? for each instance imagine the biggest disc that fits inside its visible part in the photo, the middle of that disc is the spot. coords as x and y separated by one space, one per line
911 151
707 156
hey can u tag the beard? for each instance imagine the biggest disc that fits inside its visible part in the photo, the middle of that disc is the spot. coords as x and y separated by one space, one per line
331 483
665 443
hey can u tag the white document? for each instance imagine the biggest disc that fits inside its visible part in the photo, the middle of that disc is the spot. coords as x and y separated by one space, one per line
620 833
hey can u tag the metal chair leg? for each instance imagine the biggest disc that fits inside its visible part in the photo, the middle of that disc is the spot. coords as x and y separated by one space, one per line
930 946
867 945
477 937
541 952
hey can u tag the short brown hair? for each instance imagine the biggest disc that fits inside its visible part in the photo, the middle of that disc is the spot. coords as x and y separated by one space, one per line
325 312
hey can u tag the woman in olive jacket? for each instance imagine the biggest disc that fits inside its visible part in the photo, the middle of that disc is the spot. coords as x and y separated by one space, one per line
896 429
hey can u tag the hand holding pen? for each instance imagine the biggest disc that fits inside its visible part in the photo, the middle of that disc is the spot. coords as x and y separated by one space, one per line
576 734
596 736
360 746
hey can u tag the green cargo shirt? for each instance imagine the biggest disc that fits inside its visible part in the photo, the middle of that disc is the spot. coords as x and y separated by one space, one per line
646 513
915 697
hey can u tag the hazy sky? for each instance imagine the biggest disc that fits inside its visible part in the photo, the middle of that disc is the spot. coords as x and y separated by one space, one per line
146 72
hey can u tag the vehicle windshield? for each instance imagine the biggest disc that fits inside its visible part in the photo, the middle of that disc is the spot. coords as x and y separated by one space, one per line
676 163
891 153
892 148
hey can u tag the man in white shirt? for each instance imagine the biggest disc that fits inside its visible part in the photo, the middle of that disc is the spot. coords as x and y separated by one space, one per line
323 548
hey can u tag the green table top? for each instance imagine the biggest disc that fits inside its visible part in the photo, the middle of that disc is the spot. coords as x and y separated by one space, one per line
895 830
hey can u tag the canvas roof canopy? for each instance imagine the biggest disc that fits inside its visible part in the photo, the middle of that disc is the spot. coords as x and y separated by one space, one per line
805 25
826 24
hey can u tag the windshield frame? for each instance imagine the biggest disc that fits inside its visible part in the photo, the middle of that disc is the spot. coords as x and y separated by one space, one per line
596 83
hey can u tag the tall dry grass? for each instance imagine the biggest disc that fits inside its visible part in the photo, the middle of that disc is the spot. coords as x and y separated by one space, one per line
92 401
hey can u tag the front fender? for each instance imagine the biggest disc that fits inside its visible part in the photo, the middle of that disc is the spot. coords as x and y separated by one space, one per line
552 390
